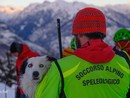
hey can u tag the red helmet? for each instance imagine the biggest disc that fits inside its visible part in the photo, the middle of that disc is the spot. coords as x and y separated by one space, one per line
89 20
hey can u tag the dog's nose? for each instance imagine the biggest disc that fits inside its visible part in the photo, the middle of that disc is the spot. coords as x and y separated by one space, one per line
35 73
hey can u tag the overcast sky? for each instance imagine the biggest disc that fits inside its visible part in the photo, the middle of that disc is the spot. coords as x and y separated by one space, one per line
24 3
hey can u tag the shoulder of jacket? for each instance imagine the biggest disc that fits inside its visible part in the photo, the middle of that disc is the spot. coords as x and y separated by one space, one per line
69 62
121 60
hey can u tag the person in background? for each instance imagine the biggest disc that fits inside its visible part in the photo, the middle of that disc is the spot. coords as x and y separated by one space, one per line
122 45
22 52
93 71
122 40
69 50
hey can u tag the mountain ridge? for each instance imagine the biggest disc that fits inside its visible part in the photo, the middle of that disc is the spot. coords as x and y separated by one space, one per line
37 22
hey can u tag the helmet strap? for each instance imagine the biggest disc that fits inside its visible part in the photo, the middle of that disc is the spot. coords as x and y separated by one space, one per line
123 48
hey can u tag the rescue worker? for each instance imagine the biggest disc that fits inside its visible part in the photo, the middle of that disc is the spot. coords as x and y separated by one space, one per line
122 45
22 52
122 40
69 50
94 71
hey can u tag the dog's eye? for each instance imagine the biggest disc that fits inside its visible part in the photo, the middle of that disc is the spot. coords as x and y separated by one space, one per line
30 65
41 65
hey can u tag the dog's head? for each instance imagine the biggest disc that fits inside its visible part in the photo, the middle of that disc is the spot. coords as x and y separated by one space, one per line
36 67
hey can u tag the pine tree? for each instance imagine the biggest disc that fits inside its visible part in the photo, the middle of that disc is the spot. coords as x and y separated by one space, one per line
7 70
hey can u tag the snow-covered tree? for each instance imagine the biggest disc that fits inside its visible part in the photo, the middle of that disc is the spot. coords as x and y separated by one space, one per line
7 70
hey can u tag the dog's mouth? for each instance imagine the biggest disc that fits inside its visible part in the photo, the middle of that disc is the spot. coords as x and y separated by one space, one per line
35 75
35 78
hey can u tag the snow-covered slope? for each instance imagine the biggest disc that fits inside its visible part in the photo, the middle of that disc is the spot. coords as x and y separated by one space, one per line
7 36
7 12
37 23
7 92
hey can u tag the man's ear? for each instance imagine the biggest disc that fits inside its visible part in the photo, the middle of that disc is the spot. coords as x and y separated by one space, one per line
23 67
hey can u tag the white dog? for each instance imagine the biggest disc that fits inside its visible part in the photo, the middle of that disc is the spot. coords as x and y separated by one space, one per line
32 71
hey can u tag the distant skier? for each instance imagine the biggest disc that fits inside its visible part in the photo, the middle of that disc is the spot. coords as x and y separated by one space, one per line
22 52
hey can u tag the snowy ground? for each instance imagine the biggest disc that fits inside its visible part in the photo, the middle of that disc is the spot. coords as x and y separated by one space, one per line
6 92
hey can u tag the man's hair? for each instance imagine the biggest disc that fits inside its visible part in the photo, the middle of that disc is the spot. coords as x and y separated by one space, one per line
95 35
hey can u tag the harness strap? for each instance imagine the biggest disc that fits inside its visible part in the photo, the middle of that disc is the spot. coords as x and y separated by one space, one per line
62 94
124 45
122 54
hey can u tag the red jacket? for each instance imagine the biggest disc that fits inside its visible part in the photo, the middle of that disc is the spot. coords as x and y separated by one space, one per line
26 53
97 52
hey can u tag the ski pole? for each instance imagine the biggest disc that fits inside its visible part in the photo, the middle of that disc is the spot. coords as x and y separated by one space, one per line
59 37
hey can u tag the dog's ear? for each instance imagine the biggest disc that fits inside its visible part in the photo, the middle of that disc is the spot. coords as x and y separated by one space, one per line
51 58
23 67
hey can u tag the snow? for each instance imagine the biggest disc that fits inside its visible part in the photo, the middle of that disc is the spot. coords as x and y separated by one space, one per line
7 92
22 27
120 8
